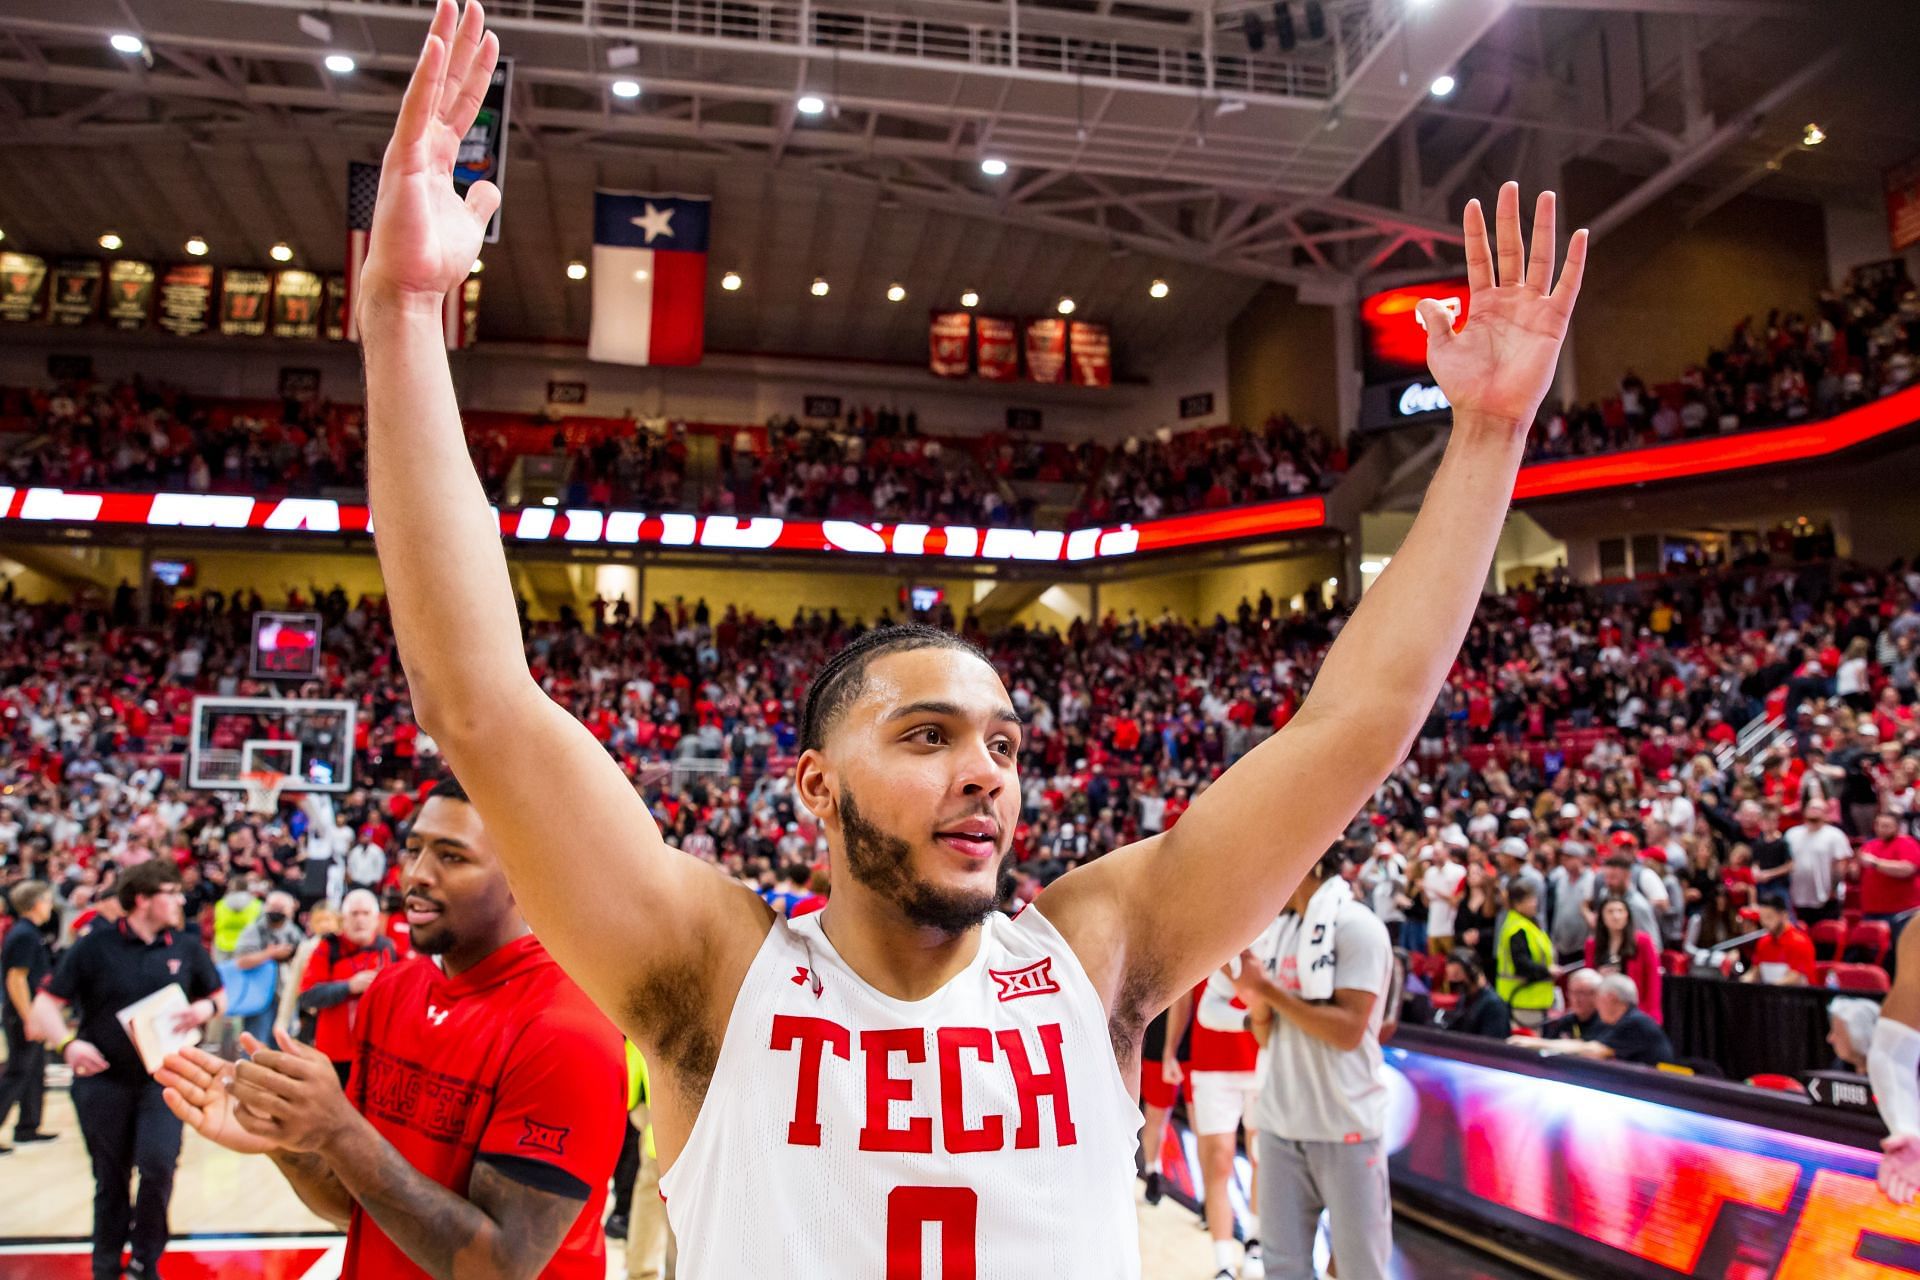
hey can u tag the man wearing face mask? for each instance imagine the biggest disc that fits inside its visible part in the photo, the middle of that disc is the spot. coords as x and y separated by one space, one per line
270 940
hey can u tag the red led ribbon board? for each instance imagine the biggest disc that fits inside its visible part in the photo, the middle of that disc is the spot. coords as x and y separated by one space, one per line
202 512
1396 341
1737 452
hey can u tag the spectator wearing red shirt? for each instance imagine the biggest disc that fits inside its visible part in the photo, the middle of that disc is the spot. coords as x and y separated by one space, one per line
1889 873
1786 948
507 1172
339 972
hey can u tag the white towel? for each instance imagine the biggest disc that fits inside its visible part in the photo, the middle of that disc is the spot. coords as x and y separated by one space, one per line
1314 955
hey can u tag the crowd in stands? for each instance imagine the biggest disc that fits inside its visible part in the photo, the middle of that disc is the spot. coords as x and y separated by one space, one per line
1579 753
1854 345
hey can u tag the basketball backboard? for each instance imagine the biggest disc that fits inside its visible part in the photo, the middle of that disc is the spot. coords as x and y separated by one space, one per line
310 740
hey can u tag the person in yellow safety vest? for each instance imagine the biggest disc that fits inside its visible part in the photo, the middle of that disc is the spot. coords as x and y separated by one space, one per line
1523 960
644 1224
231 916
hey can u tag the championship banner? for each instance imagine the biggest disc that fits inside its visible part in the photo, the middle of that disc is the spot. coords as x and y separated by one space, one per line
1903 205
1092 354
1047 350
949 336
186 299
76 291
649 278
21 276
334 325
129 294
296 304
483 152
998 344
243 303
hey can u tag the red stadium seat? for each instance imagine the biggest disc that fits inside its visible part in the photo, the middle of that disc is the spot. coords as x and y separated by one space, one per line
1446 1001
1868 942
1828 937
1851 917
1677 963
1782 1084
1860 977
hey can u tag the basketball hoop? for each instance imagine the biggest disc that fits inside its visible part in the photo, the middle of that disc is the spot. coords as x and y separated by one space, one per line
263 790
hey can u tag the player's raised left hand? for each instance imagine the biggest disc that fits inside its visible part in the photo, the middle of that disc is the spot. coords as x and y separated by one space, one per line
291 1095
1497 368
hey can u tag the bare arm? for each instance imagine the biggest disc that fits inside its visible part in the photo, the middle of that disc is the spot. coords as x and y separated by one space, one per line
1340 1022
313 1180
45 1021
1154 917
1179 1013
18 994
521 757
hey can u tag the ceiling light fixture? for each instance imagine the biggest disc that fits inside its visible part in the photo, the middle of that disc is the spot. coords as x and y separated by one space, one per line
281 251
1443 85
820 287
731 282
626 88
896 293
1158 289
1065 306
127 43
993 166
576 270
340 64
1814 135
969 299
197 246
477 267
810 104
110 241
317 26
623 55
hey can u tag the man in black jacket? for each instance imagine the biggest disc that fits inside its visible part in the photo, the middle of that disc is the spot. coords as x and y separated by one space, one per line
1480 1011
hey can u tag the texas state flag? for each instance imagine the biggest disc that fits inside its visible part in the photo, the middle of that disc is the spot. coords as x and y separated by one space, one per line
649 278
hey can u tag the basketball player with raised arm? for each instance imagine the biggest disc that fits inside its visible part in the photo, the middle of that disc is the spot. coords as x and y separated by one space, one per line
907 1082
1893 1064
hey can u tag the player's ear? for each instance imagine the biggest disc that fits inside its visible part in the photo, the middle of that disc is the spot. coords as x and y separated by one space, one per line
814 784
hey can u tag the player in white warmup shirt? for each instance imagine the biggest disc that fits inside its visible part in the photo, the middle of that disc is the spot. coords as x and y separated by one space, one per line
904 1073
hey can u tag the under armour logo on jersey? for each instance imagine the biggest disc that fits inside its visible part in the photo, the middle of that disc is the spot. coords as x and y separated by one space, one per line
1034 980
173 966
545 1137
801 976
437 1017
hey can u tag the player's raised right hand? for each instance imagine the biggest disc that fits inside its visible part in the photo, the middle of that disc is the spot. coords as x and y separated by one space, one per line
194 1087
425 238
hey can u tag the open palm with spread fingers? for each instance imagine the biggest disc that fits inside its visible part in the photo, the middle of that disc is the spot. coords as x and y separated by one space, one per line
1501 362
425 237
194 1087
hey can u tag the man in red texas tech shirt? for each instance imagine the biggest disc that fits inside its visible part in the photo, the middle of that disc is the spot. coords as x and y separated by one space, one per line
487 1100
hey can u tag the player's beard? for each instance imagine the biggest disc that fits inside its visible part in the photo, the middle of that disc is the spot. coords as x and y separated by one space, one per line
884 863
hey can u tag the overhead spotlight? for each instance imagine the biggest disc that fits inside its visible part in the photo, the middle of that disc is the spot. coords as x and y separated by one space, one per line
127 43
1064 306
1255 31
1443 85
810 104
969 299
1773 164
281 251
623 55
1229 106
1814 135
626 88
1283 27
1158 289
340 64
820 287
993 166
549 501
317 26
197 246
477 267
731 282
896 293
576 270
1316 21
3 237
110 241
640 273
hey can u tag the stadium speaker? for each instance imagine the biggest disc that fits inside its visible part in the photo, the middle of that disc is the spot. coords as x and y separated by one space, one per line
1316 21
1283 26
1256 31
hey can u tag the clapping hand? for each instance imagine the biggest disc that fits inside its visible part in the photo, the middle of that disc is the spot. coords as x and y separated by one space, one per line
196 1088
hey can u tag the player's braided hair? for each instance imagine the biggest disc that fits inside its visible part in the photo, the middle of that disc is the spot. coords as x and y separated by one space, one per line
839 682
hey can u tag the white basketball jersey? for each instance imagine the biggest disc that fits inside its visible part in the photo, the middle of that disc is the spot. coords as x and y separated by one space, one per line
983 1133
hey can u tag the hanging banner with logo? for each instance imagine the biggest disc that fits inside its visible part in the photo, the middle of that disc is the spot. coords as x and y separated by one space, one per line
1092 354
243 303
129 294
1903 205
950 335
334 327
1047 350
186 299
296 304
998 344
76 291
483 152
22 276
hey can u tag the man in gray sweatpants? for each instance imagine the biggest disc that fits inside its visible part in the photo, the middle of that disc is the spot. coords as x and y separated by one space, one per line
1323 1103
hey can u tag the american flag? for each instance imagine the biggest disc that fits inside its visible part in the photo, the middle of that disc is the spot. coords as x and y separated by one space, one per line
363 191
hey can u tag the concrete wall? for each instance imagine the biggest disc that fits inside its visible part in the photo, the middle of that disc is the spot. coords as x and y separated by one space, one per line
1281 357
